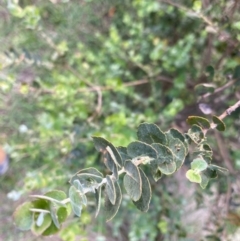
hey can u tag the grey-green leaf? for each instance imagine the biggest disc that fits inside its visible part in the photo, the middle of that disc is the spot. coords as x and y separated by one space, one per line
110 189
98 200
132 181
151 133
80 189
104 146
144 201
138 148
110 210
196 134
75 200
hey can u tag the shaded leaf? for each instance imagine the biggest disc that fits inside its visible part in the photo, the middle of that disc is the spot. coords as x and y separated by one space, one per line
210 172
132 181
23 217
220 170
220 126
111 210
39 229
98 200
144 201
123 152
111 165
178 135
210 71
53 212
151 133
110 189
104 146
205 181
198 120
138 148
178 149
156 174
196 134
167 168
193 176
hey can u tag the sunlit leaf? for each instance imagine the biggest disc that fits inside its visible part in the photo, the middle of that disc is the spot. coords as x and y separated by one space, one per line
193 176
75 200
199 165
205 181
80 189
150 133
144 201
23 217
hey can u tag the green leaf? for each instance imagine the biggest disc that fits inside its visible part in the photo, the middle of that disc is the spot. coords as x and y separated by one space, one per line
198 120
164 154
178 149
167 168
210 71
62 214
111 210
193 176
75 200
144 201
89 179
46 222
79 187
111 165
23 217
132 181
196 134
98 200
220 126
210 172
123 152
204 88
199 165
104 146
151 133
137 148
110 189
156 174
53 212
205 181
165 159
178 135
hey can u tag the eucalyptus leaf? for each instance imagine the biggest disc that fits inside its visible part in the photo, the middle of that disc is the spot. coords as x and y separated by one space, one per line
104 146
196 134
98 200
132 181
110 189
151 133
110 210
144 201
137 148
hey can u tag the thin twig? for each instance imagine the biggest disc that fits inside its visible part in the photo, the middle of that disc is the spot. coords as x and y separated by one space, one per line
220 89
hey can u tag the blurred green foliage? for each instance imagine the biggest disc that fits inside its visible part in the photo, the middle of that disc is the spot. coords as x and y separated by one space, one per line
73 69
